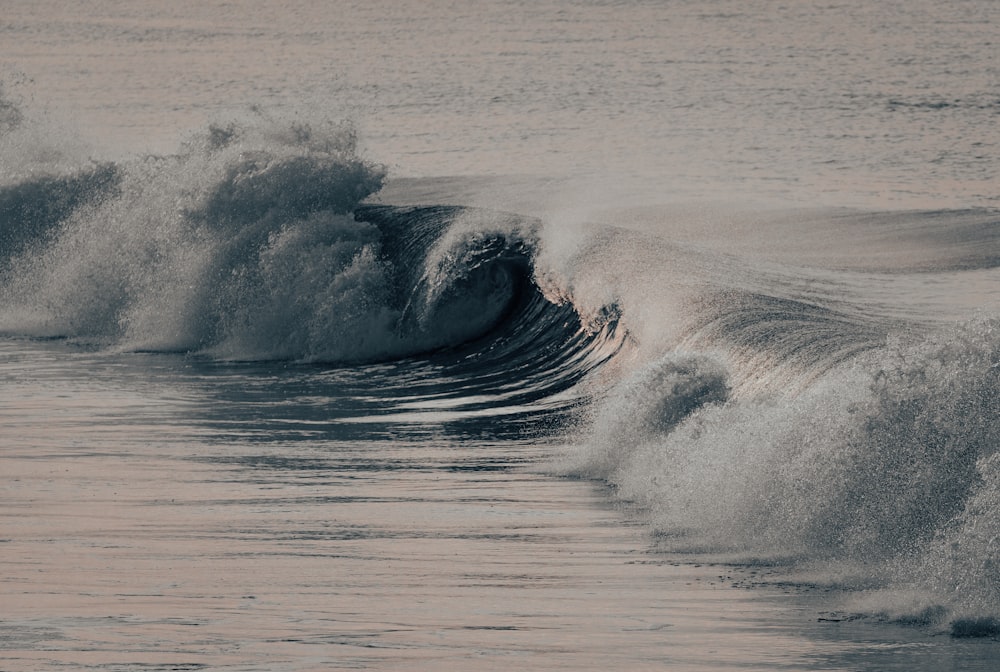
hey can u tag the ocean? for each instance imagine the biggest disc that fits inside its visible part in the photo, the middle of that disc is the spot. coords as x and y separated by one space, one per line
475 335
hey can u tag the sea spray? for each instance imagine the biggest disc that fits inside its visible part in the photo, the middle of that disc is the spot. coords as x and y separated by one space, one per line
646 407
203 249
11 114
888 464
32 209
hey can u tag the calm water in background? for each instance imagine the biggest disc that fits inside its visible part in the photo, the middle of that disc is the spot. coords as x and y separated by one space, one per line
164 509
845 103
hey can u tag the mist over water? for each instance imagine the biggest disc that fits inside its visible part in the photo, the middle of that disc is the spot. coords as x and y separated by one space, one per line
394 247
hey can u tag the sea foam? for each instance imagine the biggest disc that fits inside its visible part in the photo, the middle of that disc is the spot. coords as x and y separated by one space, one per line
888 466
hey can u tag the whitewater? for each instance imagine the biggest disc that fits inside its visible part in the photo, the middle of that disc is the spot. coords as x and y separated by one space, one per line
443 335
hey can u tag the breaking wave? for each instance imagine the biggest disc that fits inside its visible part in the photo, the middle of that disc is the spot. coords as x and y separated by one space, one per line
253 243
757 406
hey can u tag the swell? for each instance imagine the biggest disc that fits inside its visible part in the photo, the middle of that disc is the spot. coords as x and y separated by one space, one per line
781 342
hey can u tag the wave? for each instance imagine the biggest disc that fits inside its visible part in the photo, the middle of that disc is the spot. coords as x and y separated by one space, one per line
760 400
884 473
836 422
254 243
